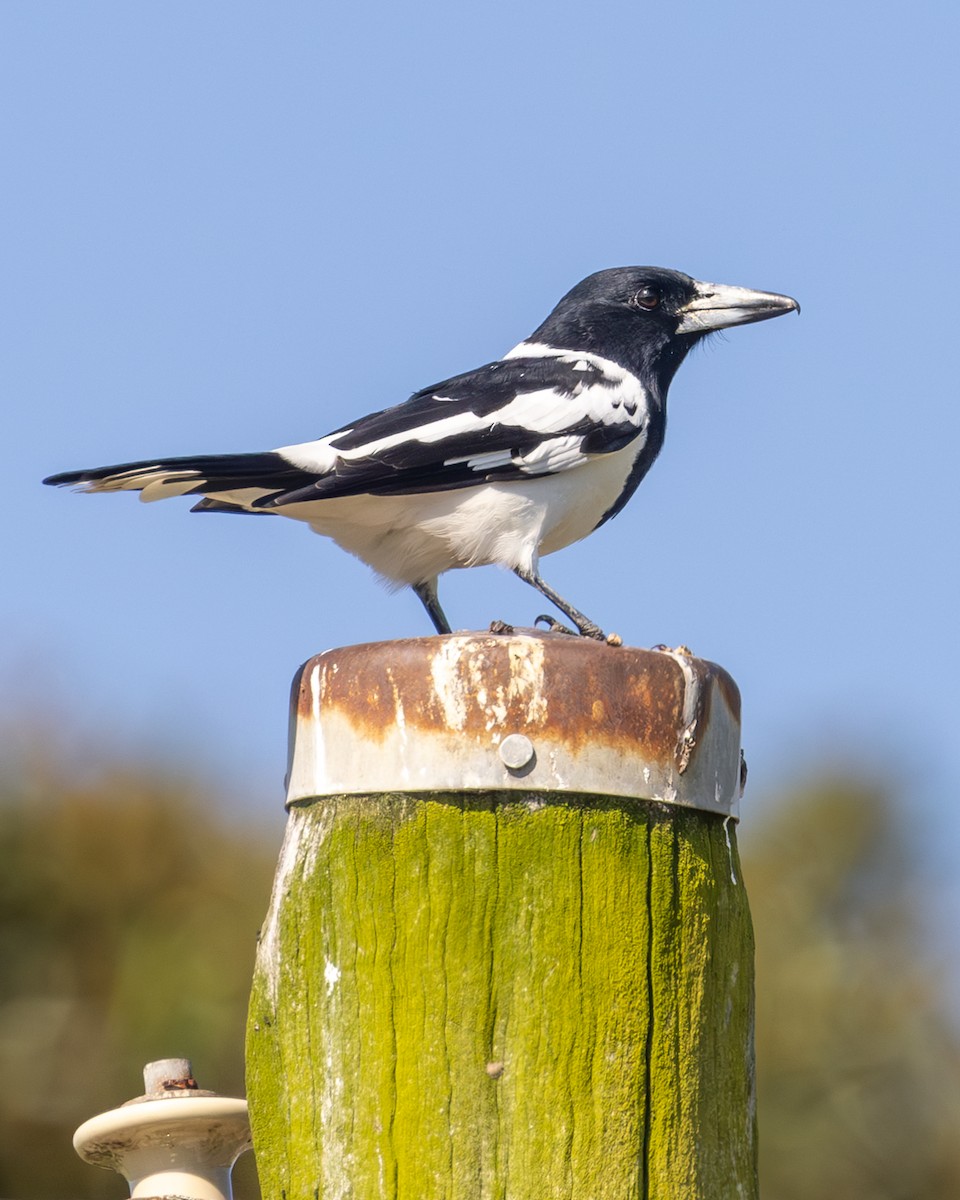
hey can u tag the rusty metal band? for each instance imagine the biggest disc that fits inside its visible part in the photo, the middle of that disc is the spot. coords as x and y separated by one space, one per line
540 713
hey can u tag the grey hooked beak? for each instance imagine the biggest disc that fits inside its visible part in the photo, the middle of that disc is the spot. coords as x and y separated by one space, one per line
717 306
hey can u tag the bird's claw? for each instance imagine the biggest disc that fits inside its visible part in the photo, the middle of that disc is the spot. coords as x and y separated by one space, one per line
588 630
553 625
501 627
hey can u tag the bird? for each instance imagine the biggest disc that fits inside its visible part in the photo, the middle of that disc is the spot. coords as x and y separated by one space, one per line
503 464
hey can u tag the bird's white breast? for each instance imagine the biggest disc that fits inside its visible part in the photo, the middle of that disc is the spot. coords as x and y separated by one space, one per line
410 538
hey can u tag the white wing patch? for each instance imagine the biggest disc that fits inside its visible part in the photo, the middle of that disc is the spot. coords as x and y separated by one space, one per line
428 434
555 454
483 462
318 457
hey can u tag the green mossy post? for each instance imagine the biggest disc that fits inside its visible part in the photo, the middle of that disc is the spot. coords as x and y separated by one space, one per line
512 989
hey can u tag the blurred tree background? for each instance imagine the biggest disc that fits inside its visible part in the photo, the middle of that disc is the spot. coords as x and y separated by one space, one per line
858 1064
130 899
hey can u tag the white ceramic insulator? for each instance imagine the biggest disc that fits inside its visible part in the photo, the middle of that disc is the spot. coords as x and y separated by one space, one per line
182 1146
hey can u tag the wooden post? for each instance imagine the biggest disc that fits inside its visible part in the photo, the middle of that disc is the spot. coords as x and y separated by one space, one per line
508 953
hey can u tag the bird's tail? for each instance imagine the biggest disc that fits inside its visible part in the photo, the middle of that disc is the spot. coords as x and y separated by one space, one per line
159 478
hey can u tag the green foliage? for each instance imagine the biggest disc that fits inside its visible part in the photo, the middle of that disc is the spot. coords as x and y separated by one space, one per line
859 1073
129 910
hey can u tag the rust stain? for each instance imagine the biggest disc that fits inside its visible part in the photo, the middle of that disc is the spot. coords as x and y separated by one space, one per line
581 691
300 701
728 689
181 1085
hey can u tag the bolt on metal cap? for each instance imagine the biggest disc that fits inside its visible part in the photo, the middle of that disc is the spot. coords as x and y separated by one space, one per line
517 752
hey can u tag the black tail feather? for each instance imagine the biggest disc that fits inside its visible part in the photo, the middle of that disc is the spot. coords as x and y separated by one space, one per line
222 506
219 472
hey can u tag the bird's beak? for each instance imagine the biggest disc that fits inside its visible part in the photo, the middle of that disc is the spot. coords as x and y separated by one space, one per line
717 306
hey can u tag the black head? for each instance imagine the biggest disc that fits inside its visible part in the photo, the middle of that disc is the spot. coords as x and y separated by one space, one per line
648 318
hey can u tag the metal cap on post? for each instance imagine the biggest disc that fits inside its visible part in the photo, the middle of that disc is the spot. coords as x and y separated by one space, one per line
176 1140
545 713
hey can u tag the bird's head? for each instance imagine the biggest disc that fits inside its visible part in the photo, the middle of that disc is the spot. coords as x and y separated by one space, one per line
649 318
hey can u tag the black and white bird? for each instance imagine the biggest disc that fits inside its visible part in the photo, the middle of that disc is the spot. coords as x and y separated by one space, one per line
503 464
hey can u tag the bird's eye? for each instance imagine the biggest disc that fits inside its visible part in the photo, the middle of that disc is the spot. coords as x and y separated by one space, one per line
647 297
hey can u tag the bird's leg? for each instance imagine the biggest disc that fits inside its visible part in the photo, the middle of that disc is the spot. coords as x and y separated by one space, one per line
586 627
427 595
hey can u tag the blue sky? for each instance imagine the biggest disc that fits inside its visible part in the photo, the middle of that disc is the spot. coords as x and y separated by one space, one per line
233 226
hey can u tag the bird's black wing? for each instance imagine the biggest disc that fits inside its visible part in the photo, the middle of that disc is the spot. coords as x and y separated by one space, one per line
511 419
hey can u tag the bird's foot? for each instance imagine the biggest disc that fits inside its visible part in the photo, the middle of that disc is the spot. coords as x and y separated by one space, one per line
501 627
587 629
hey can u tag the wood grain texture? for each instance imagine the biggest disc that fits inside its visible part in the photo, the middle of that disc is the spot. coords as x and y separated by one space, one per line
504 996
